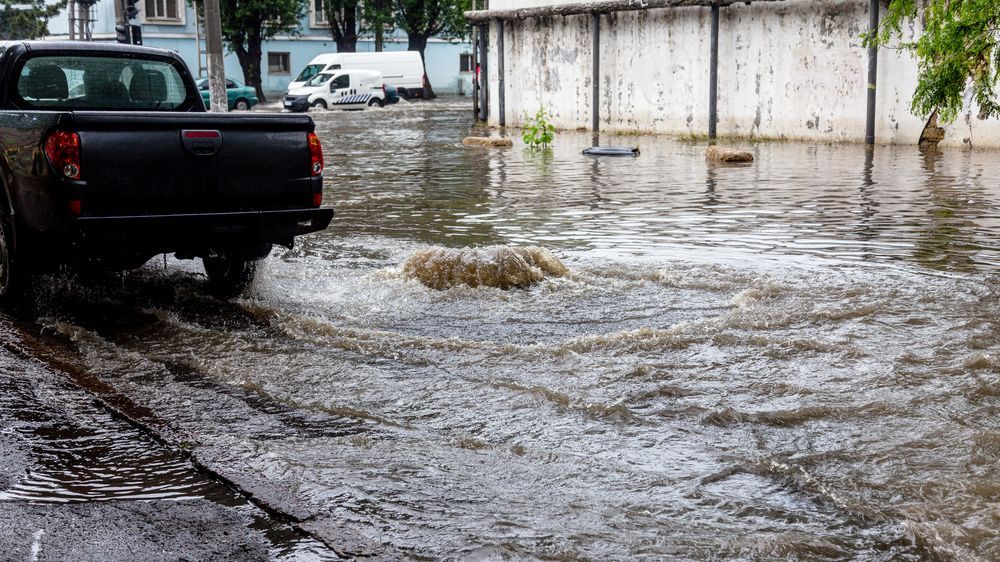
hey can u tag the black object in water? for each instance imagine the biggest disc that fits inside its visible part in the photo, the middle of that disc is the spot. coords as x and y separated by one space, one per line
612 151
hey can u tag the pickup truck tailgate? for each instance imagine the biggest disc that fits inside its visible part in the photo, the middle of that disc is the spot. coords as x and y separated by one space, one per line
157 163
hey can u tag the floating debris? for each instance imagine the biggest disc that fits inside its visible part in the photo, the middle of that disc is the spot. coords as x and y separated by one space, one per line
503 267
489 142
611 151
729 155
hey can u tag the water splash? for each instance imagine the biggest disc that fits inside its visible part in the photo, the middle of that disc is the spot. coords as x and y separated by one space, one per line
504 267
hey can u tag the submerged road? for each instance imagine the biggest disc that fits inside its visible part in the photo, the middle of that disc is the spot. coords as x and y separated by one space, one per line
79 482
793 359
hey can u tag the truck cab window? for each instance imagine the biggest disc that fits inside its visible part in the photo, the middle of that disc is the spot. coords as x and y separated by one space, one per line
342 81
100 82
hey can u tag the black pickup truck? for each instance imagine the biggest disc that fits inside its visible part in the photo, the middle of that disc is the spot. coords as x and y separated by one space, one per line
109 158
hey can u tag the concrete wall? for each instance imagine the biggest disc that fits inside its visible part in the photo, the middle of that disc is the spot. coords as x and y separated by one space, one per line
793 69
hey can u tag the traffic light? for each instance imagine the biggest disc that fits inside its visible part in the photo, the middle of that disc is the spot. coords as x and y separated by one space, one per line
131 12
122 33
136 34
128 34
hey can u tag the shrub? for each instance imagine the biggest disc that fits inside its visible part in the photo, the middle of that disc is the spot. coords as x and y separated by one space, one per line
537 131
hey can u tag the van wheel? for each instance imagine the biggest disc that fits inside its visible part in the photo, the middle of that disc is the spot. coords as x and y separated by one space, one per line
229 274
241 105
375 102
319 103
14 286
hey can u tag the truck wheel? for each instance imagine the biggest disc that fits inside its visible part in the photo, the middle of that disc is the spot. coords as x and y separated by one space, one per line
14 289
241 105
229 275
319 103
375 102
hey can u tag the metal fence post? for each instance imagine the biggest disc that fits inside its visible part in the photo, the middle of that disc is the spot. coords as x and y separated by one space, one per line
500 70
484 79
872 75
475 67
596 73
713 77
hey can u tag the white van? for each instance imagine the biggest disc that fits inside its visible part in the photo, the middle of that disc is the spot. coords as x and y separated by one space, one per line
339 89
402 69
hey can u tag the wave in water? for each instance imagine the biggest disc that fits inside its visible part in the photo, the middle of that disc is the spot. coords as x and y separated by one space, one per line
504 267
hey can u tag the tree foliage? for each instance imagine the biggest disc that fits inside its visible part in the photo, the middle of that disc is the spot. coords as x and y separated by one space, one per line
26 19
430 18
246 24
377 18
958 46
423 19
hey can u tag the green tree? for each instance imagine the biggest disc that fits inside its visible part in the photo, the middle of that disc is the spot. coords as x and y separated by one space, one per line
378 18
246 24
26 19
958 46
423 19
343 18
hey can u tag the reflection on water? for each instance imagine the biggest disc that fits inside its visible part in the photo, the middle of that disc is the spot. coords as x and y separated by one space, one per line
937 209
796 358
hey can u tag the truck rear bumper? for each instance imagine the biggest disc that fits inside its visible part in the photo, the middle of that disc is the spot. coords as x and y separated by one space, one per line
194 233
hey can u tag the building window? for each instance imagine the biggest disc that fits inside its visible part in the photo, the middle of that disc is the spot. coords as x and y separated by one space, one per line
465 62
163 10
278 63
319 18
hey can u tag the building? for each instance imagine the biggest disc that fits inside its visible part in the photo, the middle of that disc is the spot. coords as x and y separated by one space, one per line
172 24
794 69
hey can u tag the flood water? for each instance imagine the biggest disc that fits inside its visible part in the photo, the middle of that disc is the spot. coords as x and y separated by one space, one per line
796 358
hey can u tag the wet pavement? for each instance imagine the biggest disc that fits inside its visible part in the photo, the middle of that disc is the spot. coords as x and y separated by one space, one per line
79 482
792 359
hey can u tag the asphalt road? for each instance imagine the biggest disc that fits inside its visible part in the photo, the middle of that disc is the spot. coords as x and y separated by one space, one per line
80 483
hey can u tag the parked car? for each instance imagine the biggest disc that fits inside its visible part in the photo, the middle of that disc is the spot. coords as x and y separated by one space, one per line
241 97
402 69
109 158
340 89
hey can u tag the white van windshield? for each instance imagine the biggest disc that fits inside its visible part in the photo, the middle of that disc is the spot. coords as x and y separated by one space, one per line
309 71
319 80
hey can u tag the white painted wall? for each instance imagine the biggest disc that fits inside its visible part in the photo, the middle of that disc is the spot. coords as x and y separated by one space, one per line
793 69
509 4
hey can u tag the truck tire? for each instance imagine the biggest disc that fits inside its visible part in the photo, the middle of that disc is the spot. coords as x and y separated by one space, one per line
229 274
241 105
375 102
14 286
319 103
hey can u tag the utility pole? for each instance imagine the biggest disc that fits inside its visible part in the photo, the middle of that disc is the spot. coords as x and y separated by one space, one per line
216 70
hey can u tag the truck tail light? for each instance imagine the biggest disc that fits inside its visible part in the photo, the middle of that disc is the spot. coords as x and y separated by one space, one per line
63 150
315 154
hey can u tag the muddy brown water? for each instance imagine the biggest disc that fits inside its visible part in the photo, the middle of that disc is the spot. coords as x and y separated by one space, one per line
799 358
